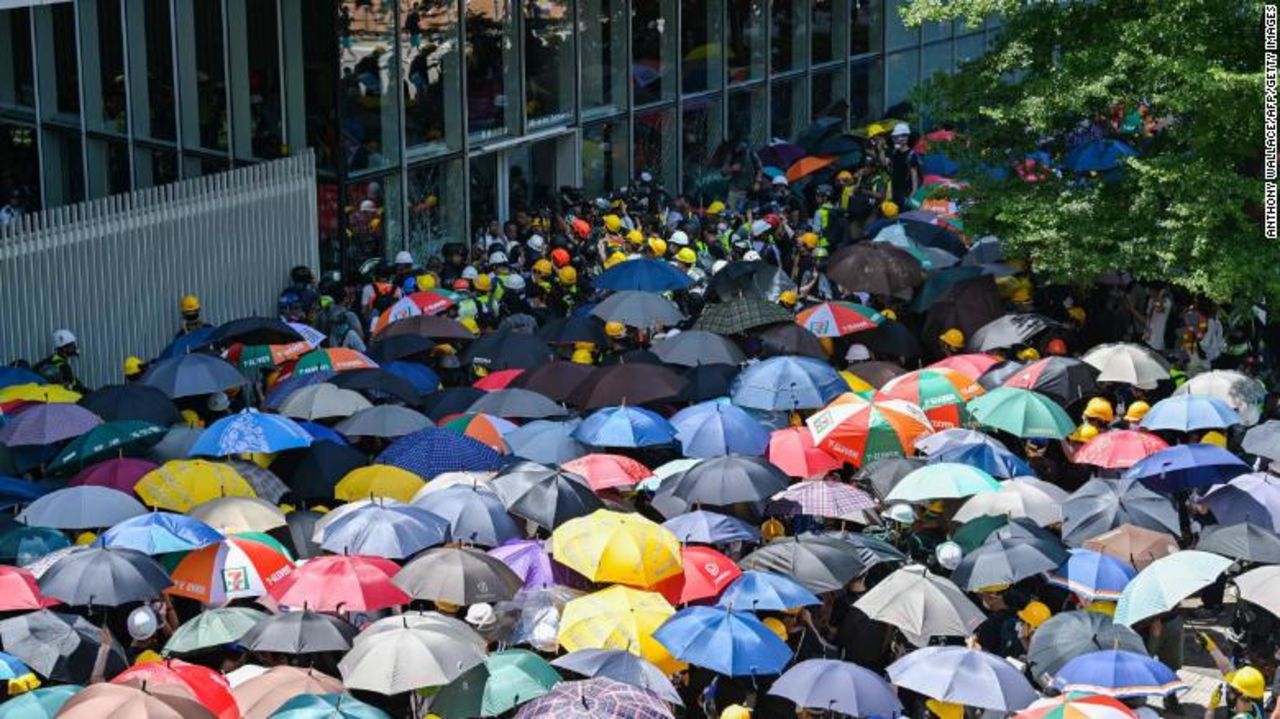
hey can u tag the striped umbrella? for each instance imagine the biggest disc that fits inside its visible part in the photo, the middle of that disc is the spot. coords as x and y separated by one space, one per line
822 498
234 568
867 431
1077 706
338 359
429 302
837 319
1093 575
941 393
1117 673
484 428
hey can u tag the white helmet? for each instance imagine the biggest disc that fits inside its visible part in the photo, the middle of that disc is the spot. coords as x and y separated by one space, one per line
780 180
470 273
62 338
718 265
404 258
498 258
901 128
679 238
760 227
900 512
751 256
536 243
514 282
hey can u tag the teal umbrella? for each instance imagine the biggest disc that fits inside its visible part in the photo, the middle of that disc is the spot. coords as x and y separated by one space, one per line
127 437
1021 412
212 628
1164 583
24 545
505 680
944 480
974 532
327 706
42 703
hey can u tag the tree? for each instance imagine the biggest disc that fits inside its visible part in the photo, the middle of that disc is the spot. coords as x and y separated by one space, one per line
1188 208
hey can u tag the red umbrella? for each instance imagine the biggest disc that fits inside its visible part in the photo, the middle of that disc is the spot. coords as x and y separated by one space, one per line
19 591
209 687
969 365
705 574
341 583
121 474
608 470
792 450
1119 449
495 381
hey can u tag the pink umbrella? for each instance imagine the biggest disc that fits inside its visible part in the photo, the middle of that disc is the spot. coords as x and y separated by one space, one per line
792 451
121 474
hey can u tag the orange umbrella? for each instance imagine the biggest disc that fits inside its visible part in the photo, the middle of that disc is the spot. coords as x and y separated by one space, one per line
262 695
234 568
806 166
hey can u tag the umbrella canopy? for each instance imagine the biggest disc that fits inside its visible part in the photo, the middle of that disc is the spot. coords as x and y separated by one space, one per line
970 365
234 568
709 381
625 427
546 441
621 666
860 432
963 676
1093 575
59 647
1117 673
529 559
884 474
792 450
212 628
876 268
517 404
1034 499
299 632
618 618
704 575
715 428
114 700
642 310
990 458
697 347
820 563
191 375
555 380
627 384
1264 440
1103 504
45 424
160 533
119 474
1189 413
572 330
261 696
749 280
644 275
1022 413
703 527
179 485
726 480
85 507
19 591
603 471
1066 379
728 642
107 440
1008 331
1261 586
822 498
1002 561
837 319
206 686
1067 635
313 473
503 681
827 685
789 338
324 359
1119 449
392 532
787 383
506 349
387 421
340 583
1126 363
458 575
1164 583
436 327
323 401
25 545
239 514
943 480
740 315
1098 156
1243 541
255 331
941 393
766 592
598 698
607 546
42 703
378 480
921 605
1251 498
1187 466
327 706
434 450
543 495
475 516
1136 545
376 384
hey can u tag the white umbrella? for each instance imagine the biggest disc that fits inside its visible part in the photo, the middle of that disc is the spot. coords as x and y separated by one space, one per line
1164 583
1127 363
323 401
1262 587
1035 499
1241 392
921 605
393 661
475 480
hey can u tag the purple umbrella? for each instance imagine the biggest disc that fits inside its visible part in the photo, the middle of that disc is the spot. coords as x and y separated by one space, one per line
781 154
830 685
597 698
529 559
1253 498
48 423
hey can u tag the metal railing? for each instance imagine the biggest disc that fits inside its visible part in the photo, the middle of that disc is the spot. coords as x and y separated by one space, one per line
114 270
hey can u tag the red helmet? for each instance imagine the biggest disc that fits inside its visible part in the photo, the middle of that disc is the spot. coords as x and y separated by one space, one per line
461 285
1056 347
581 228
560 257
774 221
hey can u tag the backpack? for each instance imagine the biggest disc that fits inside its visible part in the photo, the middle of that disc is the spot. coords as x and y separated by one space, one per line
384 295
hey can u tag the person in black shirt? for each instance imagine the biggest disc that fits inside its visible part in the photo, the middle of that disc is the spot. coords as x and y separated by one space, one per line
904 165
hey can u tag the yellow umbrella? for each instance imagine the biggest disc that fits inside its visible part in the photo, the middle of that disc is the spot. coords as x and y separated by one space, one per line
619 618
607 546
856 383
180 484
230 515
378 480
32 392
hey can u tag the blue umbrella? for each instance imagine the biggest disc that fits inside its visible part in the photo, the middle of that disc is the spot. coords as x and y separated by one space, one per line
42 703
18 375
14 491
643 275
725 641
393 531
828 685
1093 575
625 427
281 391
83 507
475 516
995 461
1098 156
1117 673
937 163
327 706
250 431
46 424
546 441
787 383
432 451
1187 466
321 432
963 676
947 438
160 532
422 378
187 343
190 375
1190 412
766 592
703 527
716 428
25 545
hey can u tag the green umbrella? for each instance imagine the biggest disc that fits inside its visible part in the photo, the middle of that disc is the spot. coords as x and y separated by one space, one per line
1022 413
327 706
109 439
42 703
973 533
267 539
944 480
505 680
213 628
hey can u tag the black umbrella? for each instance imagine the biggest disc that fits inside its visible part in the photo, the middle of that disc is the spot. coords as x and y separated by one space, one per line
311 472
627 384
1245 541
891 339
884 474
458 575
708 381
933 235
692 348
59 647
1104 504
817 131
998 373
1066 379
740 315
299 632
721 481
131 401
967 305
1004 561
516 403
755 280
506 349
104 577
1067 635
568 330
875 267
450 400
789 338
301 525
839 145
820 563
389 349
554 380
548 497
377 384
1008 331
255 331
632 357
876 373
436 327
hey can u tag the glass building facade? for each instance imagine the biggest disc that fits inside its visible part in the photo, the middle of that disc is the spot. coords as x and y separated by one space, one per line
432 118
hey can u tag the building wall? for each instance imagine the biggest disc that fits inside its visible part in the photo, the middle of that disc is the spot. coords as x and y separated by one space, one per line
436 116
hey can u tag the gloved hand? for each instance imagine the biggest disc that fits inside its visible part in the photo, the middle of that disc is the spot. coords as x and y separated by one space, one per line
1215 699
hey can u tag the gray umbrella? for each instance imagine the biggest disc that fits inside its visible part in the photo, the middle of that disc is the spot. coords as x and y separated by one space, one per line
299 632
694 347
458 575
82 507
323 401
622 666
644 310
1008 331
546 441
871 550
378 530
1067 635
548 497
194 374
302 524
884 474
475 515
60 647
1264 440
264 482
517 404
821 564
921 605
831 685
726 480
384 420
1245 541
104 577
1103 504
175 445
1001 560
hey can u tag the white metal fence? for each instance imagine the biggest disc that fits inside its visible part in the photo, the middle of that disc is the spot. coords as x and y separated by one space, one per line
114 270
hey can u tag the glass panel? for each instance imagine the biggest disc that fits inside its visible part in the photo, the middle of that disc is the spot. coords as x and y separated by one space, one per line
868 35
367 207
429 46
65 68
531 178
603 34
17 81
108 168
701 45
19 168
63 168
369 72
702 137
155 167
655 145
788 33
266 121
968 48
937 58
198 166
746 40
897 34
747 117
866 92
159 68
320 84
107 45
827 97
789 108
436 207
329 212
653 45
548 60
934 31
484 192
211 73
604 157
829 27
490 108
903 75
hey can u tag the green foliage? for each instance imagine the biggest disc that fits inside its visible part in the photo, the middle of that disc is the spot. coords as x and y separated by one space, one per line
1188 209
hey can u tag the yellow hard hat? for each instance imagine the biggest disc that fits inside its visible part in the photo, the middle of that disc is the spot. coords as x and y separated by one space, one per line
686 256
992 589
84 539
615 329
844 176
542 267
809 240
1100 409
1035 614
1077 315
426 281
952 338
1248 681
657 246
447 607
1083 433
483 282
1136 411
191 419
788 298
588 346
635 237
776 626
1215 438
132 366
772 529
1020 293
735 711
1030 354
147 656
567 275
889 314
889 209
583 357
471 324
945 710
715 208
614 259
190 303
612 223
1101 606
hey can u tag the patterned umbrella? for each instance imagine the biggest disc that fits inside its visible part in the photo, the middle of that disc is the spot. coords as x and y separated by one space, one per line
1119 449
430 302
792 450
1077 706
434 450
47 423
234 568
941 393
250 431
110 439
598 698
484 428
970 365
1117 673
740 315
864 432
837 319
821 498
336 359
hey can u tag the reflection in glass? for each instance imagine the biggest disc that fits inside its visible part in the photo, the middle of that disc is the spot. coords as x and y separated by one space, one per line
369 83
432 79
63 167
788 33
436 207
866 91
789 108
484 191
66 70
655 145
267 133
897 34
603 34
531 177
827 96
701 130
20 165
903 72
653 47
867 35
936 58
701 45
159 68
155 167
17 81
604 157
211 73
746 40
548 60
968 48
828 35
490 91
372 209
108 168
319 89
112 113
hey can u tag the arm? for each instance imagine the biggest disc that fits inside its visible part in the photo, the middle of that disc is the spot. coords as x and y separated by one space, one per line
100 662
